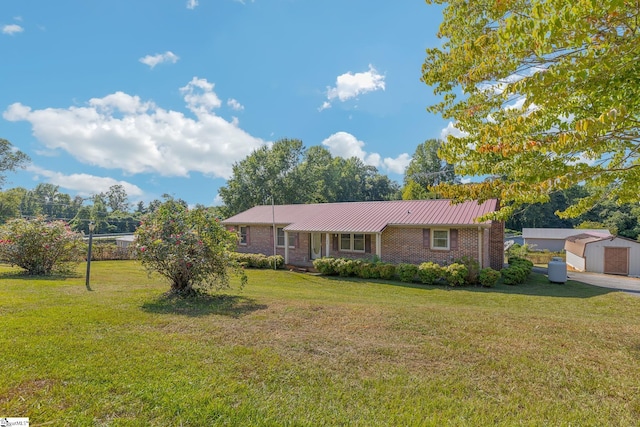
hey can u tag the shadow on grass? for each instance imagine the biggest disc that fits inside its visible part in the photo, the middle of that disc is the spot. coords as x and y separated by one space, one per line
23 275
203 305
537 285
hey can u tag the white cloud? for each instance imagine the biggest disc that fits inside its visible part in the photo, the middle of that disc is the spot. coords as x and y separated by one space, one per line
12 29
82 183
120 131
399 164
351 85
191 4
159 58
345 145
451 129
234 104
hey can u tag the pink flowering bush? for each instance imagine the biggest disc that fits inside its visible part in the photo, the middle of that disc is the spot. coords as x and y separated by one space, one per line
40 247
190 248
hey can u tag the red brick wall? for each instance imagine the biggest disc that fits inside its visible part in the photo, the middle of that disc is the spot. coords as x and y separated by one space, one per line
398 245
406 245
496 245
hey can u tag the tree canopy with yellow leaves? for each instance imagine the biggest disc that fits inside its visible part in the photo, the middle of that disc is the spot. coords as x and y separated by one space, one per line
546 95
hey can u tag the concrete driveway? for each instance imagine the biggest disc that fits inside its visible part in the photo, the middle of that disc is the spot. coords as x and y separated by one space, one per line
629 285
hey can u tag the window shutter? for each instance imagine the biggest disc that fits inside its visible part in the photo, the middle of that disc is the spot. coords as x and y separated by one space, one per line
335 243
367 243
426 238
248 234
271 235
296 242
453 239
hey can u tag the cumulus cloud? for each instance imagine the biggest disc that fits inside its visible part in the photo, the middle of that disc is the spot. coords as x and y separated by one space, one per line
234 104
451 129
121 131
159 58
350 85
192 4
345 145
83 184
12 29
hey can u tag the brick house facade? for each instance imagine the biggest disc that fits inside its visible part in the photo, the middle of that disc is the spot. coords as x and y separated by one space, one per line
396 231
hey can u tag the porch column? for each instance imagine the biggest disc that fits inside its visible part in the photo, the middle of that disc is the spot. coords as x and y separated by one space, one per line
327 244
286 247
379 245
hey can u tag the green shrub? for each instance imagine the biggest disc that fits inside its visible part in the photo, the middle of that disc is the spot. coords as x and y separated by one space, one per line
429 272
39 246
325 265
278 259
407 272
514 275
368 270
385 271
473 269
347 267
257 260
489 277
455 274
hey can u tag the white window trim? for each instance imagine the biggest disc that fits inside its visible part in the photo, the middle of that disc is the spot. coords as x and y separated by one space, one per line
433 239
351 239
291 236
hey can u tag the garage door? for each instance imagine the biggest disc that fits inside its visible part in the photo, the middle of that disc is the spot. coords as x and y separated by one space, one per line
616 261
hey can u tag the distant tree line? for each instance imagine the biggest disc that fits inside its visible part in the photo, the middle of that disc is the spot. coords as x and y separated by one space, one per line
286 173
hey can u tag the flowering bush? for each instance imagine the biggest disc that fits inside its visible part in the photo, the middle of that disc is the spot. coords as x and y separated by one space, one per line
40 247
188 247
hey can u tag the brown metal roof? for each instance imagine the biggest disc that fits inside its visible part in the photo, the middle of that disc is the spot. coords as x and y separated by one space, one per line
365 217
576 244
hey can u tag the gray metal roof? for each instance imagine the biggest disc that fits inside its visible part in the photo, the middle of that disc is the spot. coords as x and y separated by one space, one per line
365 217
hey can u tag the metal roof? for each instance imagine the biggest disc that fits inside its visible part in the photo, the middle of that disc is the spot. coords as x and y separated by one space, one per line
561 233
365 217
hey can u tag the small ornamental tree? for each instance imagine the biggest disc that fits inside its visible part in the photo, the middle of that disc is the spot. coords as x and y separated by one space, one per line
190 248
40 247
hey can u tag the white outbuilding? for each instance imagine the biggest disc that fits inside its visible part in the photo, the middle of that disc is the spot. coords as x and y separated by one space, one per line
553 239
597 254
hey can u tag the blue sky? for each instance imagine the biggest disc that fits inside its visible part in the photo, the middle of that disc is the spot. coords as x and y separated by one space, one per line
165 96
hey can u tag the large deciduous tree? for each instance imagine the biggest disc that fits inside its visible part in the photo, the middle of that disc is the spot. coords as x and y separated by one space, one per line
291 174
426 170
545 94
190 248
10 159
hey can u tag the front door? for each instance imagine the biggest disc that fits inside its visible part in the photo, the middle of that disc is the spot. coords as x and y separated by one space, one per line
316 245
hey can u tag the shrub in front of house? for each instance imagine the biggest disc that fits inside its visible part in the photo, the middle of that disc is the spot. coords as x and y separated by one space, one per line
455 274
385 271
473 269
325 265
430 272
347 267
517 272
489 277
406 272
257 260
368 270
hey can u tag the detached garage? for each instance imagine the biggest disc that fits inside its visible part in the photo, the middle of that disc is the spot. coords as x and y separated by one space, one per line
608 255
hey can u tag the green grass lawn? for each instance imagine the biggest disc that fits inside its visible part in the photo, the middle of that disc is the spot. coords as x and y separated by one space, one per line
305 350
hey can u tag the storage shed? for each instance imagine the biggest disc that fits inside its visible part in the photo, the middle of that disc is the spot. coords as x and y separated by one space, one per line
552 239
608 255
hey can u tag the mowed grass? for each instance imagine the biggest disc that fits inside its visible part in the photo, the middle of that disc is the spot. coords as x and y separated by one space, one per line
297 349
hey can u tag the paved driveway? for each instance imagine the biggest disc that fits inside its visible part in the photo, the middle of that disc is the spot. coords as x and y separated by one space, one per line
629 285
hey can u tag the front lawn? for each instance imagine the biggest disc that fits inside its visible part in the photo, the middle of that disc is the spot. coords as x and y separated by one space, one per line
301 349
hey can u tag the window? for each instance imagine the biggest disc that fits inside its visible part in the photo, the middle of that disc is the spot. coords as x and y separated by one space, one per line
280 233
352 242
440 239
280 238
244 235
